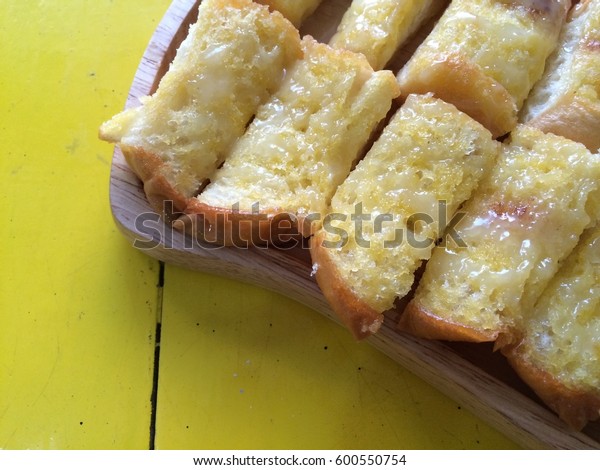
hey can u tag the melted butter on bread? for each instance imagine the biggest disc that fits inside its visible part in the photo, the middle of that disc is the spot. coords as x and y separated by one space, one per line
294 10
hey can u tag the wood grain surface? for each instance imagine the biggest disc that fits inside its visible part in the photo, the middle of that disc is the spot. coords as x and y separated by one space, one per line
473 375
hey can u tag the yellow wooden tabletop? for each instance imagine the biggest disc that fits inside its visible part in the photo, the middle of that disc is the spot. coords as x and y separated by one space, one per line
238 367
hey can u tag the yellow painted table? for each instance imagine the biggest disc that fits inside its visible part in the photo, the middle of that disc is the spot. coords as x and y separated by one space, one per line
239 367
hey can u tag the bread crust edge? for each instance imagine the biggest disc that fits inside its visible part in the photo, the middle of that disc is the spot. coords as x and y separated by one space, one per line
573 118
151 169
419 321
455 80
241 229
360 318
574 406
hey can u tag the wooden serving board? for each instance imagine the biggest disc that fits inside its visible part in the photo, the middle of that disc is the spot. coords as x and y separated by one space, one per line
471 374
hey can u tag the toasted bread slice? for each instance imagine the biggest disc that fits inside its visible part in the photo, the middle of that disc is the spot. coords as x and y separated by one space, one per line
520 224
566 101
232 60
294 10
377 28
558 353
484 56
299 148
388 214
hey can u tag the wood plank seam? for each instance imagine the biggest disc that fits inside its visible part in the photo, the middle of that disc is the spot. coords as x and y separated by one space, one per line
156 367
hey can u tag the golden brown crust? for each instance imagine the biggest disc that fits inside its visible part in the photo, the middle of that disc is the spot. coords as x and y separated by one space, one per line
575 407
574 118
462 83
151 169
229 227
420 322
356 315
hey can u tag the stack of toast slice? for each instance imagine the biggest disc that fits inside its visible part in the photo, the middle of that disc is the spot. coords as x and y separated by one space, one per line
255 132
301 145
523 221
233 60
388 214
